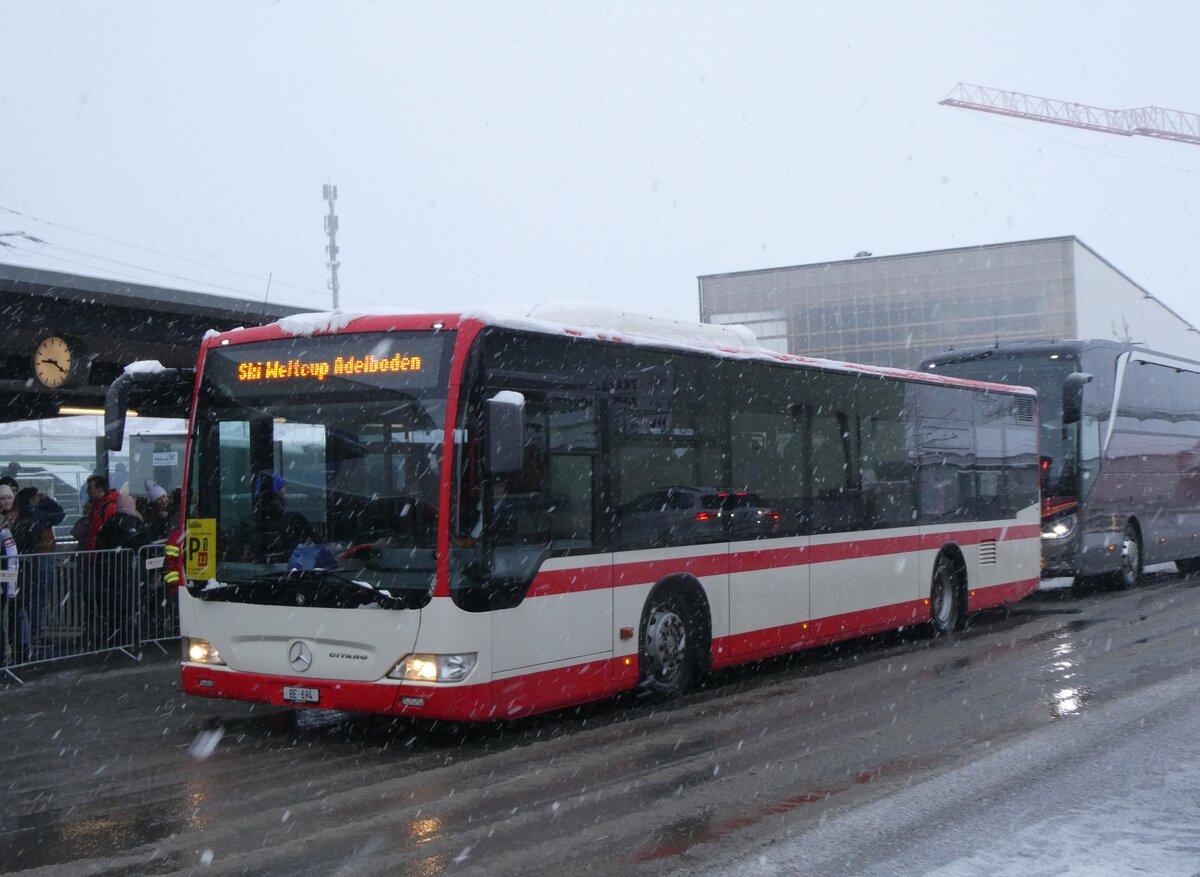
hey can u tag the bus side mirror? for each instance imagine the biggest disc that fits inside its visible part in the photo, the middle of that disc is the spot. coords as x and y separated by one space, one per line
506 432
1073 397
151 389
116 405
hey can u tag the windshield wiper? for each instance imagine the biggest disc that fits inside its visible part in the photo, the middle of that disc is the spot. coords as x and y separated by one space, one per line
320 576
283 583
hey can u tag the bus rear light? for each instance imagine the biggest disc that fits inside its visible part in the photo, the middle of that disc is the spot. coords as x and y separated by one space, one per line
435 668
200 651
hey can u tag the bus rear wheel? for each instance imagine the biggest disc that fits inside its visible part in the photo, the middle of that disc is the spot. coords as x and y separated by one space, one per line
668 654
946 609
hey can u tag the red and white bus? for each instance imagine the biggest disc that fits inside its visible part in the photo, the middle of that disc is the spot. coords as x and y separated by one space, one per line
481 517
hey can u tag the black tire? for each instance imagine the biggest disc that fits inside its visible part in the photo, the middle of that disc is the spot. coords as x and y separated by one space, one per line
1127 576
669 654
946 609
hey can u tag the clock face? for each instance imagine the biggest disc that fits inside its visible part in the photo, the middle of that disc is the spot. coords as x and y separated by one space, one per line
52 362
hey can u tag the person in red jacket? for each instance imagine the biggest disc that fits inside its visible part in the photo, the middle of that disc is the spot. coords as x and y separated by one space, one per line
104 505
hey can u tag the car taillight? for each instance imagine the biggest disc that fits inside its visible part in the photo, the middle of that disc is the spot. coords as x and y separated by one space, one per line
173 561
704 516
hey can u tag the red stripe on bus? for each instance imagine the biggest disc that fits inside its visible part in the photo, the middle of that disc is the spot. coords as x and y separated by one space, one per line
585 578
800 635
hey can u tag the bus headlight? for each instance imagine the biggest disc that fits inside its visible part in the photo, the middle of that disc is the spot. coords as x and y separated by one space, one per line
1059 529
200 651
435 668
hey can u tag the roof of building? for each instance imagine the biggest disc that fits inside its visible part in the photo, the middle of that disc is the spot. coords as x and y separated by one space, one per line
101 291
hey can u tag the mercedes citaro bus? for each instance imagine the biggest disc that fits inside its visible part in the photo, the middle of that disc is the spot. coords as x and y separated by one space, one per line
474 516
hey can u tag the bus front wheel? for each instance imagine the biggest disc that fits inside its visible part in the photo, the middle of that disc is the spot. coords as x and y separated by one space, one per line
1131 559
668 654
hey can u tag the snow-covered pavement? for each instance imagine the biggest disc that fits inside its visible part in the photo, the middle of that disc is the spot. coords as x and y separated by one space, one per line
1113 790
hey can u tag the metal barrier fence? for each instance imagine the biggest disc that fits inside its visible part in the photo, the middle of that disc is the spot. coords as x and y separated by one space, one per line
77 603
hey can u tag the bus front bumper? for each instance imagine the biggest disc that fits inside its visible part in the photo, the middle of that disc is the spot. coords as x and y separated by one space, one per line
452 702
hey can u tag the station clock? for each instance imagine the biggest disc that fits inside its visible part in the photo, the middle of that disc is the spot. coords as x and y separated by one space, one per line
58 362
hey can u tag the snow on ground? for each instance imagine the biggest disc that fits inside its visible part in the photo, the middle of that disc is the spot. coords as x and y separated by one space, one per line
1114 790
1066 582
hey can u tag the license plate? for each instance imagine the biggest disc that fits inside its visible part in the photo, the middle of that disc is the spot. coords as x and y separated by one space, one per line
301 695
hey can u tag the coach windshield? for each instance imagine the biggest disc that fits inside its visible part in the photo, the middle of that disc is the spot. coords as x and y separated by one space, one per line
1045 372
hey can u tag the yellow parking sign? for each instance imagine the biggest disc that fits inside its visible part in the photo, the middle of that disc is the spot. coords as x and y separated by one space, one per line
200 549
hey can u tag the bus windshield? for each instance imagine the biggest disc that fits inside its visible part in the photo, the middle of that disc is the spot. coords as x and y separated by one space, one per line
319 460
1044 372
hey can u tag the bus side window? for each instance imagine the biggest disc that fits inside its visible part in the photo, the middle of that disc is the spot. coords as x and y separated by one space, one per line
767 453
550 502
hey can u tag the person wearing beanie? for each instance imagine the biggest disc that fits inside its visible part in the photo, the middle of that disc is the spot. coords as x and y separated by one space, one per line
9 512
158 511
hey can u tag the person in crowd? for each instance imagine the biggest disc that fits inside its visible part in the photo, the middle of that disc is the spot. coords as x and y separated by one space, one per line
159 521
120 478
9 588
114 577
26 533
16 620
124 529
33 531
103 502
80 527
42 508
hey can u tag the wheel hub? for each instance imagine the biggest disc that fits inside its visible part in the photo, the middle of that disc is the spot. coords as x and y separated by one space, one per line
666 642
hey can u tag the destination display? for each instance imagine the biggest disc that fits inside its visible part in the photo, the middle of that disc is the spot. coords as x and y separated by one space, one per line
395 360
299 369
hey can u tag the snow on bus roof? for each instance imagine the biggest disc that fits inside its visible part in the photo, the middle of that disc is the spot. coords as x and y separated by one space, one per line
589 320
308 325
735 342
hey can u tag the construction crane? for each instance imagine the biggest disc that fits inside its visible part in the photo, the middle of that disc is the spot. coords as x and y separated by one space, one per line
1143 121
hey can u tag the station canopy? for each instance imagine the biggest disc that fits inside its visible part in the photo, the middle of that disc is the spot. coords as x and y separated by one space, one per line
69 336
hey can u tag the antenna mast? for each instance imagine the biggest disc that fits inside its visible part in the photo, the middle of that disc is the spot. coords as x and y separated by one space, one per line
329 193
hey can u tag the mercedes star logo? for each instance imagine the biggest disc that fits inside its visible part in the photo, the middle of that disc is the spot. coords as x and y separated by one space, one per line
300 656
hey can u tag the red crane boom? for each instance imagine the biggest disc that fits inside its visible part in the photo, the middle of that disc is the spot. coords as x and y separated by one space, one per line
1144 121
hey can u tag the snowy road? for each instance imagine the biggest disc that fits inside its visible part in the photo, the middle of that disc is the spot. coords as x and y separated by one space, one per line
1116 792
1053 738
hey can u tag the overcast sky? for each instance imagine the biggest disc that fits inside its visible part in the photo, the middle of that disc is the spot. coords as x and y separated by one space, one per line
491 152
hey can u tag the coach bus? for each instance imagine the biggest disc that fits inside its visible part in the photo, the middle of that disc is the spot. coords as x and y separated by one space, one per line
477 517
1120 445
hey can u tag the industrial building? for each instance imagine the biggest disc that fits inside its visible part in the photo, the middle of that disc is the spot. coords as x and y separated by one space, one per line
897 310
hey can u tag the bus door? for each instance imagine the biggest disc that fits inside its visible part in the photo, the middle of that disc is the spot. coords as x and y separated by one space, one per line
544 527
947 483
860 512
